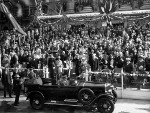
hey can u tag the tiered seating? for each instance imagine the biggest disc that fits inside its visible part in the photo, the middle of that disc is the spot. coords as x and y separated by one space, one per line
125 7
146 5
70 7
87 9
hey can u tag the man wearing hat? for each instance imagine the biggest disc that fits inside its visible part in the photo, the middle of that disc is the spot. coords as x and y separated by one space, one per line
141 65
51 67
128 67
17 88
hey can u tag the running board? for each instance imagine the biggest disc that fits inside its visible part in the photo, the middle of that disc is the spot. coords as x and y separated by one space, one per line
64 104
71 100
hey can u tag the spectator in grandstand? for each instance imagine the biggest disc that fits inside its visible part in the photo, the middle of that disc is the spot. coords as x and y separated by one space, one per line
101 61
128 67
111 62
21 57
147 62
141 65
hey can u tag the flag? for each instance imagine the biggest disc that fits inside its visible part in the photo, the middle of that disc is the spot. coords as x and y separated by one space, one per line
15 24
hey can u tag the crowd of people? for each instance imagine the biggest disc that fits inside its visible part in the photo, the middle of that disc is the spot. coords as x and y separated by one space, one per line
77 50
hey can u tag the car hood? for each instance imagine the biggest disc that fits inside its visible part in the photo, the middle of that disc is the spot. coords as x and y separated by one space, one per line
92 84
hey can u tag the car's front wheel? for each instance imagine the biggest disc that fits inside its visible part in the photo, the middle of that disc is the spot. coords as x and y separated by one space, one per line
105 105
37 101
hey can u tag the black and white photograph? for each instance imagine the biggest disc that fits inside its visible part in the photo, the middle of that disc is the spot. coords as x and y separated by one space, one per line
74 56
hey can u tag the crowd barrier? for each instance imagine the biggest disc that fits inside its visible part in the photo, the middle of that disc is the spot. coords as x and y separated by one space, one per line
118 74
44 70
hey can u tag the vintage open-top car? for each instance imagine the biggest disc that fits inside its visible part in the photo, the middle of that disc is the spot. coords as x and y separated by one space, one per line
77 93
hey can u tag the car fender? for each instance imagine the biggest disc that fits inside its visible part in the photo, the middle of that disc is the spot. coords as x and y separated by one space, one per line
32 93
102 96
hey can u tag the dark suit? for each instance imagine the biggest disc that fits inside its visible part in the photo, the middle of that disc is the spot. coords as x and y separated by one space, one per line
17 89
7 82
77 66
128 68
147 64
51 66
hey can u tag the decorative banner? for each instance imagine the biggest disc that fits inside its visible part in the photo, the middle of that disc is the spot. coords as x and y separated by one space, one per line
107 13
117 13
48 23
83 19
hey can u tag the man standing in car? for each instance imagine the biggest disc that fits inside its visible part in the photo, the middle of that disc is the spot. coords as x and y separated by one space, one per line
51 66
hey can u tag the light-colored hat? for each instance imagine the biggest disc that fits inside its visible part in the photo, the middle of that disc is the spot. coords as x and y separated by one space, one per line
128 59
17 76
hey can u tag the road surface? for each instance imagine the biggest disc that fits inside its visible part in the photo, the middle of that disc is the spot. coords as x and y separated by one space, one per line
122 106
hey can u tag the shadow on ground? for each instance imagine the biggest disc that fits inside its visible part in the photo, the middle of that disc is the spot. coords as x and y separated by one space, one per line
123 112
145 109
5 107
26 108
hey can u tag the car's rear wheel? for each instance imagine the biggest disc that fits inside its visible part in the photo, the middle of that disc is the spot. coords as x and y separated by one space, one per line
105 105
86 96
37 101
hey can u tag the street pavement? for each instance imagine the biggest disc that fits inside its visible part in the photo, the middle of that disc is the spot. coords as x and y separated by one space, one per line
122 106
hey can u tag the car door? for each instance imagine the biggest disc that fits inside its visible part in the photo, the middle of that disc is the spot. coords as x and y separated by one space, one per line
67 92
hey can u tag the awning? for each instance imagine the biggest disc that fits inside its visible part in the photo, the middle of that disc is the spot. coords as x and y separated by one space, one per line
17 27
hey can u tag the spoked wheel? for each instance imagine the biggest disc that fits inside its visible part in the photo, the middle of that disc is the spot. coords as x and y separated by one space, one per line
105 105
86 96
37 102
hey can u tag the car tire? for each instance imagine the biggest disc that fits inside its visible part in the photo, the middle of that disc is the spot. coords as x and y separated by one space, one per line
86 96
105 105
37 101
